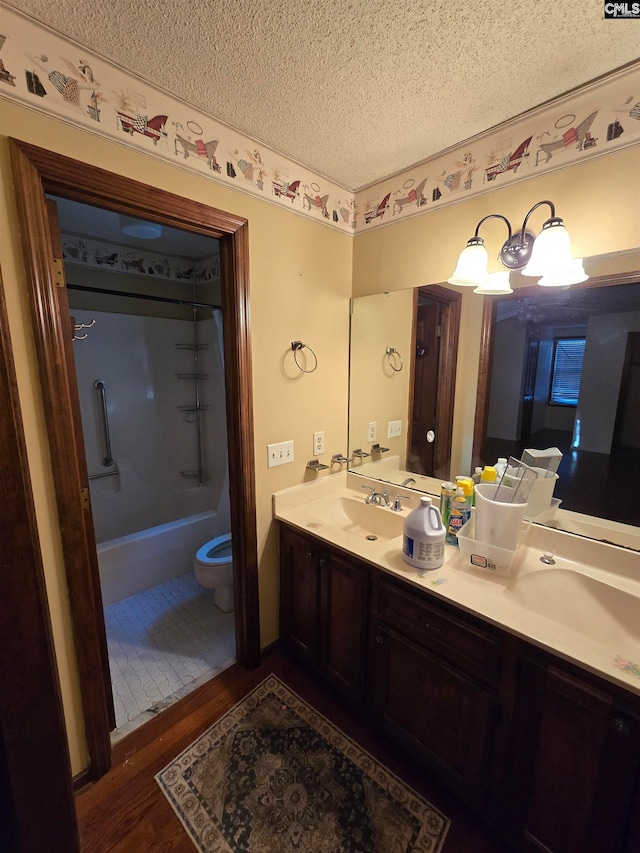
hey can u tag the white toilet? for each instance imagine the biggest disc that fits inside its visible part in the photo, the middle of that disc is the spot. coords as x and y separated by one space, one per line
213 565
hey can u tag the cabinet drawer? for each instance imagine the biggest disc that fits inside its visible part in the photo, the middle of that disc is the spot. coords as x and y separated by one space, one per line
465 643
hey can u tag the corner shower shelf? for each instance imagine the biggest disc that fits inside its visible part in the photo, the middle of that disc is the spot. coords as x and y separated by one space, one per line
193 347
196 474
194 408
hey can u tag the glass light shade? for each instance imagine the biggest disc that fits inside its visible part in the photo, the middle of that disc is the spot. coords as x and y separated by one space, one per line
495 284
471 270
572 273
551 250
140 228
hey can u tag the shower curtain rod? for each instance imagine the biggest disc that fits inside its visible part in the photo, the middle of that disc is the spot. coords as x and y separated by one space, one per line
104 290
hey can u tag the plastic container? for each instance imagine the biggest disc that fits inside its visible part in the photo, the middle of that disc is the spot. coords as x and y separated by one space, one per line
498 522
489 474
424 534
486 558
500 467
459 512
466 484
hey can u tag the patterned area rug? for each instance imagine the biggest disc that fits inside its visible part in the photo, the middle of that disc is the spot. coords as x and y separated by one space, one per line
274 776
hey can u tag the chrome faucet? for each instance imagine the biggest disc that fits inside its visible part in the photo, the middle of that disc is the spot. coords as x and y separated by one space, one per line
378 498
407 481
397 504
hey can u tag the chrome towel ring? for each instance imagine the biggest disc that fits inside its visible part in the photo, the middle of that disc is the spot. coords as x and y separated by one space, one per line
394 358
296 346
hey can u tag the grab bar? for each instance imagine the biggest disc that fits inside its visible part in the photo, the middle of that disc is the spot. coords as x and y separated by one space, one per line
105 474
100 385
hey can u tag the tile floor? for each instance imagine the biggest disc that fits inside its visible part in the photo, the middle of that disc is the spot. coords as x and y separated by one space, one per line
163 643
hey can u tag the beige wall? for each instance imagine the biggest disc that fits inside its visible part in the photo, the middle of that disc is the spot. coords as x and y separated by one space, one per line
599 202
301 275
300 284
377 392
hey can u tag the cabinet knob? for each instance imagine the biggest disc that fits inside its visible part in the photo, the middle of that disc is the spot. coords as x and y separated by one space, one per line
380 639
322 561
619 726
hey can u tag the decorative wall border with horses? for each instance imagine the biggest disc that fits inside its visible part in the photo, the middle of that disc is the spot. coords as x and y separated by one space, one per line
52 74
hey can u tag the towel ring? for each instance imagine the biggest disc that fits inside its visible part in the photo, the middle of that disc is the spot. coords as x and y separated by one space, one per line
296 346
394 357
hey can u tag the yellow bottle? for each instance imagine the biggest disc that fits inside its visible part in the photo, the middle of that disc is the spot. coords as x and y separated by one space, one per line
489 474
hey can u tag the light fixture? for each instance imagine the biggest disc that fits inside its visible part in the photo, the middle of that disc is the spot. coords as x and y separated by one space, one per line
547 256
139 228
495 284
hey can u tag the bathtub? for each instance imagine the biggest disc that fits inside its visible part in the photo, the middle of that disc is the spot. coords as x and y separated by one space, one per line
142 560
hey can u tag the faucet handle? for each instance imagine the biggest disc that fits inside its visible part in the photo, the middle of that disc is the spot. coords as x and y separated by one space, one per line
397 504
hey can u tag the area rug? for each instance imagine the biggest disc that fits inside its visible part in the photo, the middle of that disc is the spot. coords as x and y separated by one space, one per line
274 776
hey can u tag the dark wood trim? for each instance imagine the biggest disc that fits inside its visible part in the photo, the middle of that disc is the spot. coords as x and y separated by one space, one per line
36 172
37 810
485 361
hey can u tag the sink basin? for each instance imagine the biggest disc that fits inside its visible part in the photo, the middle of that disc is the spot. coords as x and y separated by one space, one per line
582 603
353 515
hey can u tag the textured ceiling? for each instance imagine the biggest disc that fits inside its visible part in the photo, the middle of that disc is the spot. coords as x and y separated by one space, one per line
354 89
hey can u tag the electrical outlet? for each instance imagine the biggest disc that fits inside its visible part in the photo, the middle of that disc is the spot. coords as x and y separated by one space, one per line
318 443
372 432
279 454
394 429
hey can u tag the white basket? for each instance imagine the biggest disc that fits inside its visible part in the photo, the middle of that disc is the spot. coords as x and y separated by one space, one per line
484 557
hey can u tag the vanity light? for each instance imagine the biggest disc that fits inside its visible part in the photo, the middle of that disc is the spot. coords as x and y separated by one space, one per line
548 255
496 284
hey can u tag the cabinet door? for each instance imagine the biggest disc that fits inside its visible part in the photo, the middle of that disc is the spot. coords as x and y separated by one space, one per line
299 596
434 710
343 608
575 764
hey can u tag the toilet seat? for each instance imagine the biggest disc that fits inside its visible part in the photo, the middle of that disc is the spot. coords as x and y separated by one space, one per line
216 552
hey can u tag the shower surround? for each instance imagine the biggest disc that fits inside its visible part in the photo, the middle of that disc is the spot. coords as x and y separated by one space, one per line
149 518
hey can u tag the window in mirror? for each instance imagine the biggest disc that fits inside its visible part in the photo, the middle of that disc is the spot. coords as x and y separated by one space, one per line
568 355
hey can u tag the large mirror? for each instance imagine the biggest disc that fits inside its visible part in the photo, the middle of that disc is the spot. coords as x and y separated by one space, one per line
557 368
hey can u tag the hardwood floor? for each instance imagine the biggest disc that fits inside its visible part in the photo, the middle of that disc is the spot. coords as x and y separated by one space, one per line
125 811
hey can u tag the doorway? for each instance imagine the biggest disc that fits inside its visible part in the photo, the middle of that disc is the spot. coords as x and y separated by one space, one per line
145 304
435 348
38 172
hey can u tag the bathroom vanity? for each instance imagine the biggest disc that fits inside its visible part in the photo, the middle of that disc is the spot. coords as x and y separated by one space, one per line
517 715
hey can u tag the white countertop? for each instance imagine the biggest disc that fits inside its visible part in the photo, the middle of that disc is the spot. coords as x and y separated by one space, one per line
582 631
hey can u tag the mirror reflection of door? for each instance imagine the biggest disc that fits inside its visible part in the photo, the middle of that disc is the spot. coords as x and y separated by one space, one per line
531 370
425 386
435 352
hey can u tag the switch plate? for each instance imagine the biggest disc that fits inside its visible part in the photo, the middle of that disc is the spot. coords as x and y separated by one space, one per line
395 429
279 454
318 443
372 432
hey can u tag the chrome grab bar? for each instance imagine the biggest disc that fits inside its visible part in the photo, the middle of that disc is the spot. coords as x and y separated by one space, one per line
100 385
105 474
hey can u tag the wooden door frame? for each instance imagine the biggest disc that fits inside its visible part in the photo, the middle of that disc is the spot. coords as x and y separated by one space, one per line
450 301
36 798
37 172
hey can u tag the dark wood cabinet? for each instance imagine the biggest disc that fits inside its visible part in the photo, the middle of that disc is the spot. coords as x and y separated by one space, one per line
434 710
324 610
575 763
544 751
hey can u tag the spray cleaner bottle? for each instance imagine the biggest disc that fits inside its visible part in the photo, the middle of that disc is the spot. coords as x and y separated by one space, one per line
424 533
